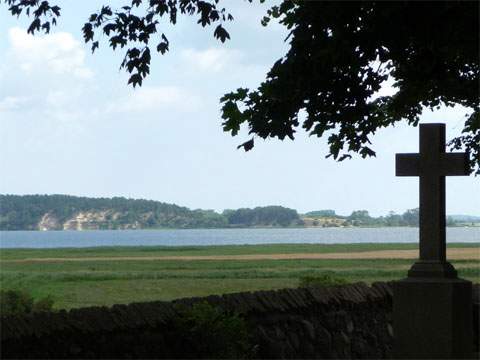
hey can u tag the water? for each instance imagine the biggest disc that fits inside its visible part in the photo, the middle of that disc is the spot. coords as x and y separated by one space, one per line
54 239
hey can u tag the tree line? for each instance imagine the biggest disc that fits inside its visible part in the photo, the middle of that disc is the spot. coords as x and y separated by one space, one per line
363 218
26 212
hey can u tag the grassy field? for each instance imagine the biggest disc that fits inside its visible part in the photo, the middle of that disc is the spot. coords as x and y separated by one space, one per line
99 276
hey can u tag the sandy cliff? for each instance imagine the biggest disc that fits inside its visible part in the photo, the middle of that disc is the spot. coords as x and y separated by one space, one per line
85 220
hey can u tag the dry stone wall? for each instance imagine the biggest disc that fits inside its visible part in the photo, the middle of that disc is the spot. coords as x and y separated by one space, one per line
351 322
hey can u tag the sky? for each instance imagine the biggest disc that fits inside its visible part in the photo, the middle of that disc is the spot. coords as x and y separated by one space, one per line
69 124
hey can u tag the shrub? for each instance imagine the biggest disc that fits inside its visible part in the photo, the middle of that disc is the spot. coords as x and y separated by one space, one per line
16 302
321 280
44 304
211 332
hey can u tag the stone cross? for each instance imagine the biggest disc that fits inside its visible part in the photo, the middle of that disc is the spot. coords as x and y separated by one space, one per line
432 164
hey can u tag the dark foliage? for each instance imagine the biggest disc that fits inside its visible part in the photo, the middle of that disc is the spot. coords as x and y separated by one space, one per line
340 54
262 216
16 302
211 332
43 13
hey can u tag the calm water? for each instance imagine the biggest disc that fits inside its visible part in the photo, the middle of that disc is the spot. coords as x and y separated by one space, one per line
52 239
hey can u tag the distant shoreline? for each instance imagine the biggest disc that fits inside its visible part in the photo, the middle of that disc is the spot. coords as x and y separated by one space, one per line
65 212
474 225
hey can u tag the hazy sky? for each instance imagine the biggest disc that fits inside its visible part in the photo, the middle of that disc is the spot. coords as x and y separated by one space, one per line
69 124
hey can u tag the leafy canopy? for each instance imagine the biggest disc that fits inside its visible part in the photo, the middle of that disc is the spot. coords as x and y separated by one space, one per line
328 82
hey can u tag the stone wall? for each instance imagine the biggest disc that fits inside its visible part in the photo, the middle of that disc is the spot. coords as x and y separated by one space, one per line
352 321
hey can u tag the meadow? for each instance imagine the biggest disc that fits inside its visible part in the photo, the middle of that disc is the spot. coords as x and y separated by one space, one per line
77 277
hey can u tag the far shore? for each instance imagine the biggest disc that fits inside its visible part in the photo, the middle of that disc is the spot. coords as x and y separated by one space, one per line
473 225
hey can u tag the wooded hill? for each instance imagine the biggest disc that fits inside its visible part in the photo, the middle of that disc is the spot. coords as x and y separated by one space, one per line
63 212
362 218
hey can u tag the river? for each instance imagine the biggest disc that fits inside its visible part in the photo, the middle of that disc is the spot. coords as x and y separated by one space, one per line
192 237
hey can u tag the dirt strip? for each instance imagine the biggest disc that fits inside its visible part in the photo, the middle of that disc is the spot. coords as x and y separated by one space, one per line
452 253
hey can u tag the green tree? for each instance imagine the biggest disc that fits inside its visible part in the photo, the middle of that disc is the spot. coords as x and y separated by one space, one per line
411 217
393 219
340 54
359 215
262 216
450 221
322 213
363 218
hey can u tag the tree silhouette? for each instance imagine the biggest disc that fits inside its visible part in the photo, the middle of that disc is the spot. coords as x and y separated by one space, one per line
340 54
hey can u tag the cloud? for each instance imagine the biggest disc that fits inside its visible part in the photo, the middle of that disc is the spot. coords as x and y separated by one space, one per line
250 17
45 87
59 53
11 103
155 98
234 66
386 88
59 98
212 59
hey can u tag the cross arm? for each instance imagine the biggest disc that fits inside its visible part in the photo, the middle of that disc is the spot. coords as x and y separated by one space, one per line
455 164
407 164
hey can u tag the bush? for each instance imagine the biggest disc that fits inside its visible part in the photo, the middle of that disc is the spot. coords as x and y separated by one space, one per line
17 302
44 304
210 332
321 280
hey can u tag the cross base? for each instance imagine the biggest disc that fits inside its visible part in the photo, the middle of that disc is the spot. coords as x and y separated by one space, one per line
432 269
433 319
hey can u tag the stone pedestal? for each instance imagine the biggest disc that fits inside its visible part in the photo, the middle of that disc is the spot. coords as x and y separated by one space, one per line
432 318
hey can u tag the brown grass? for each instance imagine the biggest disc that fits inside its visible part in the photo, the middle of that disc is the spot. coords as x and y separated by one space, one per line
452 253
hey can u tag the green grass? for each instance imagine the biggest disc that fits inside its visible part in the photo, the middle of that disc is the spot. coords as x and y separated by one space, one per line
102 282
